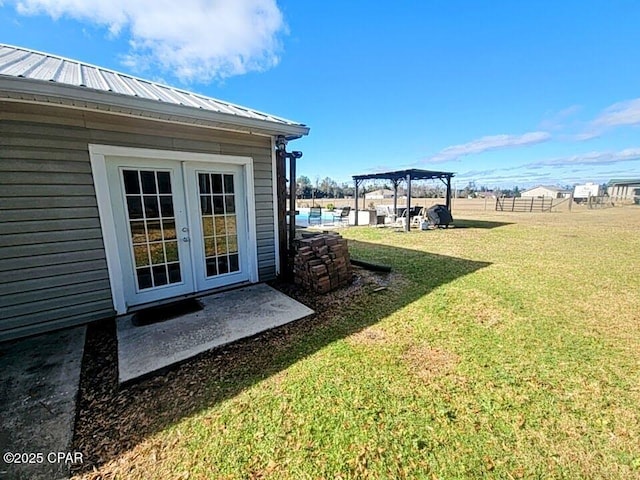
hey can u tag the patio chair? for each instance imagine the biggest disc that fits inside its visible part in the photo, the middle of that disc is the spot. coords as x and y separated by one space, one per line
343 216
315 216
400 217
415 214
419 217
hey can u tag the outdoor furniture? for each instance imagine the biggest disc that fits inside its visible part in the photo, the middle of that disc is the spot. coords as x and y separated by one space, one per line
415 212
405 215
315 216
384 212
343 216
420 217
396 177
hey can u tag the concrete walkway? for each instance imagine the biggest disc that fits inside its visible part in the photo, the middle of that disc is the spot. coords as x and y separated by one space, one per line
39 379
226 317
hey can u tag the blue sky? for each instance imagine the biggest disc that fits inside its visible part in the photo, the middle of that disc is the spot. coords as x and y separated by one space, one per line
503 93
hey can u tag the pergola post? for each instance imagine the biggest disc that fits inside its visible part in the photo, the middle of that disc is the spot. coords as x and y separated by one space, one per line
356 200
408 222
448 199
395 196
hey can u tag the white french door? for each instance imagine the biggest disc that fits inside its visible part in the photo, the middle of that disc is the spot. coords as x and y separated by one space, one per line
218 219
180 226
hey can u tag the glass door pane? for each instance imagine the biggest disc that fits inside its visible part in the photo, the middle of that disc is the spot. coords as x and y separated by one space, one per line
218 217
152 227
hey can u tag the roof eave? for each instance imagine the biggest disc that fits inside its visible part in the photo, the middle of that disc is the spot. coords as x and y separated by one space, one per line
51 93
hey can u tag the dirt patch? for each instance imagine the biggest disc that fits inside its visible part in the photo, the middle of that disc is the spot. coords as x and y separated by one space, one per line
111 421
368 336
428 363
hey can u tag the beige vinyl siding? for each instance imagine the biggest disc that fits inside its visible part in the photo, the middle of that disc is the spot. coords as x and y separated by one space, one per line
53 270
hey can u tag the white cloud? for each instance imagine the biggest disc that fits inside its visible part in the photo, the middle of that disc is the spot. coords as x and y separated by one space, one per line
558 120
578 168
590 158
493 142
617 115
194 40
622 113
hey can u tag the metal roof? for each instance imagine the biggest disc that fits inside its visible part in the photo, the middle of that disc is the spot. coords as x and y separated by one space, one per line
625 181
51 70
552 188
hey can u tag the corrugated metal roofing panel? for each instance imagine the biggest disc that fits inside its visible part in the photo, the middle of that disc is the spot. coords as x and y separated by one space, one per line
67 73
22 62
46 69
13 63
93 79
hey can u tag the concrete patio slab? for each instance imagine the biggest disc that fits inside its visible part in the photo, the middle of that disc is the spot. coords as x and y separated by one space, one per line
226 317
39 381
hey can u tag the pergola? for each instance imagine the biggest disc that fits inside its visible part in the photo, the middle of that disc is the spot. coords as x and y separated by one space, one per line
407 175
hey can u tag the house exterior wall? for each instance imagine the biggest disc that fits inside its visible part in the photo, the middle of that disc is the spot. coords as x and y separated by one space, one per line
53 270
379 194
540 192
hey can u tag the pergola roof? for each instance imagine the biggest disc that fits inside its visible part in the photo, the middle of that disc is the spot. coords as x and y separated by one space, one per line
415 173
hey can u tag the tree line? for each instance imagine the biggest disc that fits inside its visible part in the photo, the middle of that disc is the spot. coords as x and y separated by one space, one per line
329 188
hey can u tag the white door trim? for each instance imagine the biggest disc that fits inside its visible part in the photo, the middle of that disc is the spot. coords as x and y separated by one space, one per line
98 154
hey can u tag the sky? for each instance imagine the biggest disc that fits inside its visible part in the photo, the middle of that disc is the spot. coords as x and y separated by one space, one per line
502 93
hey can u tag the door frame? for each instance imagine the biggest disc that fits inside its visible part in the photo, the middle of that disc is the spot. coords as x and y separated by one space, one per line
98 155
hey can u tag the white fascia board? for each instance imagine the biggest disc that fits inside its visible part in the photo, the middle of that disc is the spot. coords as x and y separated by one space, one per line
107 102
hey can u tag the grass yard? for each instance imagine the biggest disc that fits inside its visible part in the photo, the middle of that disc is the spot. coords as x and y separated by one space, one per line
507 347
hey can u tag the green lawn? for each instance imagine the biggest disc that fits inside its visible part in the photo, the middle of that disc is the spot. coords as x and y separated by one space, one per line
509 348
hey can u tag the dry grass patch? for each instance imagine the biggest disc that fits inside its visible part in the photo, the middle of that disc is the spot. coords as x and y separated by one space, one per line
482 309
370 336
428 363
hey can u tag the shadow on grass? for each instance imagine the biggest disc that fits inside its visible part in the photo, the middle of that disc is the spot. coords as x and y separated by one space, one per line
464 223
110 421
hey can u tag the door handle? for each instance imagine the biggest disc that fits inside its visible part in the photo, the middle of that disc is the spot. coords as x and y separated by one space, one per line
185 229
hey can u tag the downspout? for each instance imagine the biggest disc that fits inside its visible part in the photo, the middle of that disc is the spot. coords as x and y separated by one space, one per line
292 200
281 201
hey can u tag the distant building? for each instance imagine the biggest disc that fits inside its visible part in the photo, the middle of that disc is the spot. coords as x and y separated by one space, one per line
624 190
487 194
546 191
379 194
581 193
